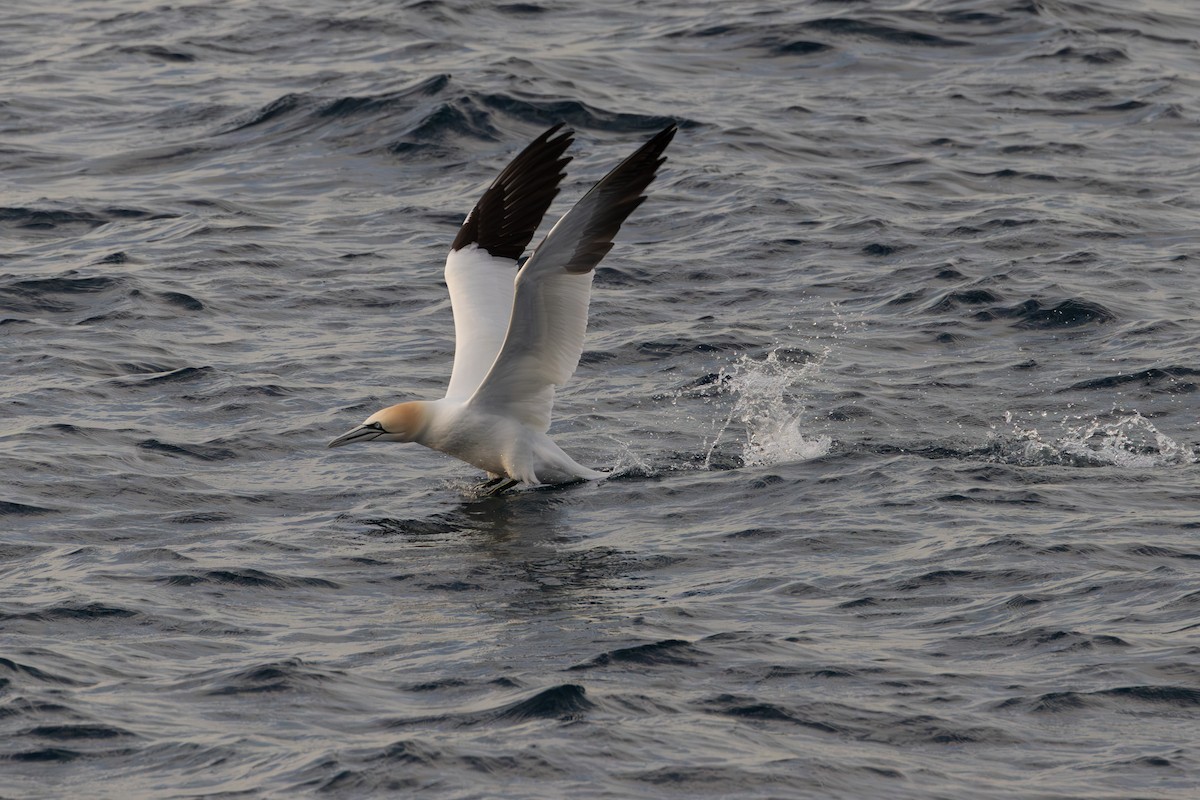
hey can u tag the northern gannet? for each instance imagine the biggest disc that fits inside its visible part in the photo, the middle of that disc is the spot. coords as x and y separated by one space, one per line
517 339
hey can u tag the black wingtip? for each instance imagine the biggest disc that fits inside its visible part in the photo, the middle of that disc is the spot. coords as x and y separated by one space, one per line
615 197
658 143
666 134
506 217
649 157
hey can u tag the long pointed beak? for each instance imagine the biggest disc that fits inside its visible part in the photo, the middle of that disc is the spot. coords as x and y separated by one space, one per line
360 434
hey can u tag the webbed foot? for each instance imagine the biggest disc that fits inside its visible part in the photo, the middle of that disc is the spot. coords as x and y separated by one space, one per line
496 486
502 485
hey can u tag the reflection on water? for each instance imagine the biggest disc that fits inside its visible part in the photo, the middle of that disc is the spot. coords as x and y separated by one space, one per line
521 547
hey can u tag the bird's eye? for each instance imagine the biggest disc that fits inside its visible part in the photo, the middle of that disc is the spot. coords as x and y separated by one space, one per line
377 426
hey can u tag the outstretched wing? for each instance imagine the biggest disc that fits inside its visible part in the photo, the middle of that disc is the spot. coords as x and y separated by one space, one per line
483 257
549 313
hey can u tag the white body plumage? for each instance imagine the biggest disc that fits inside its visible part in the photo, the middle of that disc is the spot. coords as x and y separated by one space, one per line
498 444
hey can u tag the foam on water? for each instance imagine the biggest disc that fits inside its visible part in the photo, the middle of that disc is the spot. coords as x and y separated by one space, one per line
1122 439
629 462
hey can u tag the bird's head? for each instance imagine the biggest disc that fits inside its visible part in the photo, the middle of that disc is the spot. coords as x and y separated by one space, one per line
398 423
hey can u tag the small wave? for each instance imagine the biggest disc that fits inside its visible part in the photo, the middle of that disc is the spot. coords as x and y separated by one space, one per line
1070 313
74 732
669 652
1165 379
288 675
1180 697
810 37
181 300
865 29
71 220
159 53
56 295
437 526
246 577
181 374
46 754
280 107
197 451
1088 55
855 723
962 297
567 701
9 508
1040 638
546 111
300 112
199 517
386 103
28 671
800 47
1120 439
427 115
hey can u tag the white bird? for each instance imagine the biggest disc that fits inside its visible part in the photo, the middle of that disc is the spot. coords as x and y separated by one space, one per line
516 340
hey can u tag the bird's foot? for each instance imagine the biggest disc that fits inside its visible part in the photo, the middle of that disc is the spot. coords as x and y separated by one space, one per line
496 486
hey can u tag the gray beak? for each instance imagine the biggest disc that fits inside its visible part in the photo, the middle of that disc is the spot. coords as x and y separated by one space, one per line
360 434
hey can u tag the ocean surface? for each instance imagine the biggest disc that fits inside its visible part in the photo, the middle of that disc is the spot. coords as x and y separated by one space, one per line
896 372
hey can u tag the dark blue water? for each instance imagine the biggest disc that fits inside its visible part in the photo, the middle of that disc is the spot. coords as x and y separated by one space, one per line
896 369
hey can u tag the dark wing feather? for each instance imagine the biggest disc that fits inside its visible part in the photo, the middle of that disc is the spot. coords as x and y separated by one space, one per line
579 240
506 217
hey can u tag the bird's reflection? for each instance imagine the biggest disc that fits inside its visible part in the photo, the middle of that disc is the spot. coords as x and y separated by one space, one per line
522 546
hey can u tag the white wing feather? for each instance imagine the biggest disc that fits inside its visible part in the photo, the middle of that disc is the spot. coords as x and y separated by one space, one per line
543 345
481 295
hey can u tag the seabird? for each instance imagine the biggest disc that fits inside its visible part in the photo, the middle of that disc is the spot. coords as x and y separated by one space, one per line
518 339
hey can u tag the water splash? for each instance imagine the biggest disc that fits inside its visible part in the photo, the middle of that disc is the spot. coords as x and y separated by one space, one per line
1123 439
766 406
629 463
